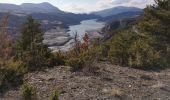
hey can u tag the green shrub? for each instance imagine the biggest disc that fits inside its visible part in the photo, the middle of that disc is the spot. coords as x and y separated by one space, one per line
10 74
137 50
131 49
28 92
9 77
105 50
59 58
85 58
39 59
142 54
55 95
76 63
150 46
30 48
119 46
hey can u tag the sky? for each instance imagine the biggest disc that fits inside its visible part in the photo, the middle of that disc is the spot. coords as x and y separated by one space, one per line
85 6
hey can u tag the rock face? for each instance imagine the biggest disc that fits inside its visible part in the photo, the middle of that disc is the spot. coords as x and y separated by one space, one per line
56 38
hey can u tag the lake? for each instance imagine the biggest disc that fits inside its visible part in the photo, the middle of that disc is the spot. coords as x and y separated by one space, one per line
84 26
54 37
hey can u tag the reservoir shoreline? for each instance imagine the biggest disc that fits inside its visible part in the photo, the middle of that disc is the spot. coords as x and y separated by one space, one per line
62 38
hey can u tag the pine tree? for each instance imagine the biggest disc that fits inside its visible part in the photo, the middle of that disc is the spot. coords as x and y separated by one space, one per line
31 34
156 21
156 24
34 53
120 45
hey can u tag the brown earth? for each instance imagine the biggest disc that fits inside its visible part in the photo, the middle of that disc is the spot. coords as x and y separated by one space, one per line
108 83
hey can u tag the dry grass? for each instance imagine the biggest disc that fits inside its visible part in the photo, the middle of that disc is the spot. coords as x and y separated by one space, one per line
116 92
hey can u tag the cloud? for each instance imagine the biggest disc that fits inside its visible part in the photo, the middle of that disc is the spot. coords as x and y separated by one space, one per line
81 6
104 4
77 8
112 3
74 8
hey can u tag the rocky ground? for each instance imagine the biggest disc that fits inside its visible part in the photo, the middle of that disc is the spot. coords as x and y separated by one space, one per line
109 82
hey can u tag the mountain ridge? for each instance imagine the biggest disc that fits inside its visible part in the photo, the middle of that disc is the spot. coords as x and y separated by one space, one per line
29 8
23 6
116 10
46 12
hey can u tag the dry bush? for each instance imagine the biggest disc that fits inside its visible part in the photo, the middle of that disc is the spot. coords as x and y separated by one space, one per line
116 92
5 39
82 56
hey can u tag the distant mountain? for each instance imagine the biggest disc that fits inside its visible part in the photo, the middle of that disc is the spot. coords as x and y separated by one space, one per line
116 10
9 8
29 8
44 11
42 7
49 15
121 16
118 18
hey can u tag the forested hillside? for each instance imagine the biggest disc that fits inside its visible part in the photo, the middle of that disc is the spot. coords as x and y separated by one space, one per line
147 43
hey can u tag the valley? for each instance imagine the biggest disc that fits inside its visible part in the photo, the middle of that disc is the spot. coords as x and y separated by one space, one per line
59 26
62 38
85 50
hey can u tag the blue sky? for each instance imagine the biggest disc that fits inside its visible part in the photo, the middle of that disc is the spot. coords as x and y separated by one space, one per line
79 6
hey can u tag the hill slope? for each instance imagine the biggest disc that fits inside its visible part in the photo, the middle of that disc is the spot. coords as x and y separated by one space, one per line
111 83
116 10
121 16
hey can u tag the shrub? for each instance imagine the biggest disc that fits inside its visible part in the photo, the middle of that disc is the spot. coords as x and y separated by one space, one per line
10 74
85 58
30 48
9 77
28 92
119 46
76 63
105 50
150 46
59 58
83 55
142 54
39 58
136 50
55 95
